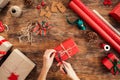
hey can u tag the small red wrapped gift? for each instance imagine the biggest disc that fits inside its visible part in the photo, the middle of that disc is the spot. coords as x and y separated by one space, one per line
112 63
66 49
115 13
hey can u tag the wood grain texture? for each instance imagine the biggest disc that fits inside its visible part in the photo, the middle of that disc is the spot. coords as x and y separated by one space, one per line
86 63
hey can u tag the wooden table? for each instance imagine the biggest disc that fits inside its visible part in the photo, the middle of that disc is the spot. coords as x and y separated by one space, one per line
87 63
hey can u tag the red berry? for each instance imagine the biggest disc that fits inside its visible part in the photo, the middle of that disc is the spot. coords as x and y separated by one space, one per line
43 3
38 7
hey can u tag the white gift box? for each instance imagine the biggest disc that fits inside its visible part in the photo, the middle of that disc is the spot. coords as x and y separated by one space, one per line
5 46
3 3
18 64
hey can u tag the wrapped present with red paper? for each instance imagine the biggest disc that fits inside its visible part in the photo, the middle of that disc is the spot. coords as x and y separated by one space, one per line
112 63
4 46
66 49
115 13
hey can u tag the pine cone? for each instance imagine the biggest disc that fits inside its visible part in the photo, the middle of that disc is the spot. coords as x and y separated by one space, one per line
28 3
91 35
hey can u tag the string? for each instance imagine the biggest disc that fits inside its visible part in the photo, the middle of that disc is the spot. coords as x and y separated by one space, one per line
64 51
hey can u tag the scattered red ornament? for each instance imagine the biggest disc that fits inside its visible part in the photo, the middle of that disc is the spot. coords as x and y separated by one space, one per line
43 3
38 7
107 2
2 28
13 77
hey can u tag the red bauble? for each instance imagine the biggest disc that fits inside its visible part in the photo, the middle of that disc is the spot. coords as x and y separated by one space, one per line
38 7
43 3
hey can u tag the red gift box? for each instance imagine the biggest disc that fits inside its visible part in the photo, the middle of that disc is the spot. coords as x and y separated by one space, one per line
66 49
115 13
112 63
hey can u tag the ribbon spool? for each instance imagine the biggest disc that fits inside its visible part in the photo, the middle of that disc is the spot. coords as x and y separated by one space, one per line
78 22
16 11
105 47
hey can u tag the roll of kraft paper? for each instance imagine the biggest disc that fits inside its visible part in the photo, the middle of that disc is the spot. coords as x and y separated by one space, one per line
95 26
106 28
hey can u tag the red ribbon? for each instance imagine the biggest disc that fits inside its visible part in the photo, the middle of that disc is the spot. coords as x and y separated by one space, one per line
2 41
13 76
2 53
41 29
2 28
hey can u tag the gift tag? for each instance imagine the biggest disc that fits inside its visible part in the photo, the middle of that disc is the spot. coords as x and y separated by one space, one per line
61 7
48 14
47 8
1 27
54 7
43 12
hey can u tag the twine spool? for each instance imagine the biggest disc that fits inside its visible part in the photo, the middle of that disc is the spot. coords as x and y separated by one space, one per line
16 11
105 47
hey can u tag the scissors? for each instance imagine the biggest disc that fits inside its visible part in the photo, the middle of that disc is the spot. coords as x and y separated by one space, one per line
62 63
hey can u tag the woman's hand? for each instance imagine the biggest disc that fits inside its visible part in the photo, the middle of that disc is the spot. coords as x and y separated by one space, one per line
47 63
48 58
70 72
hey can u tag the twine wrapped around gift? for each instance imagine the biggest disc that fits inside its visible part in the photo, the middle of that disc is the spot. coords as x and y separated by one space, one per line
2 53
66 51
115 68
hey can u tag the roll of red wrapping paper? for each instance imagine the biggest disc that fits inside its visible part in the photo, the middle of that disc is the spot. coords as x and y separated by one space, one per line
95 26
106 28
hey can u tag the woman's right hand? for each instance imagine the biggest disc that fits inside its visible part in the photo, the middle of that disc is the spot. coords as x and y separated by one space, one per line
70 72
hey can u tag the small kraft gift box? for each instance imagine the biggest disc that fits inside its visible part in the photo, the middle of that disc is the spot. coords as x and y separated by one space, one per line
112 63
66 49
4 46
16 67
115 13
